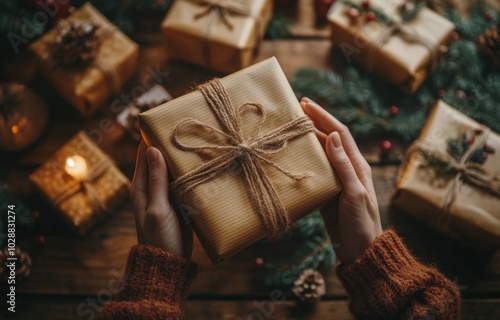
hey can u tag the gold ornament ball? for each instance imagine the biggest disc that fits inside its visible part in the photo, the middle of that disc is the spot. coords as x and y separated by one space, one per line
23 116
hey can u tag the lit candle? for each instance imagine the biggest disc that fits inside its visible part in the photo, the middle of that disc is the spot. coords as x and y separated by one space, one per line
76 166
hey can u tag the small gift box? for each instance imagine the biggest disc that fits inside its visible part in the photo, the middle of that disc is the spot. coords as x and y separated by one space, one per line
243 156
128 118
451 178
217 34
401 42
86 58
82 183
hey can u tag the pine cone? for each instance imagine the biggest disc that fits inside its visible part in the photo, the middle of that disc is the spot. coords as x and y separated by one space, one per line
23 264
310 286
77 43
489 45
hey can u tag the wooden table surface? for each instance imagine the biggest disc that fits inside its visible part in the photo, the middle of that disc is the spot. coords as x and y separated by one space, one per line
72 276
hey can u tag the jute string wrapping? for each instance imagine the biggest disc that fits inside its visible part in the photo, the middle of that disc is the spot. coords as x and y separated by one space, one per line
251 154
409 35
218 10
86 186
466 172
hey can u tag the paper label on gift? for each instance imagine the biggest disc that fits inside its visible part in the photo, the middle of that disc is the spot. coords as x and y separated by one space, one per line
220 209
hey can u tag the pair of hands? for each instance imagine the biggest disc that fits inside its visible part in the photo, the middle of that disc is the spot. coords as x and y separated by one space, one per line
352 220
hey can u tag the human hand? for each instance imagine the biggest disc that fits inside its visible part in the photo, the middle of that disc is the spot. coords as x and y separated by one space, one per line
353 220
156 220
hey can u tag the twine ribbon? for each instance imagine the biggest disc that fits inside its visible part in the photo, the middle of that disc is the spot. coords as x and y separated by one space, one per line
468 172
250 154
87 186
218 10
409 35
397 26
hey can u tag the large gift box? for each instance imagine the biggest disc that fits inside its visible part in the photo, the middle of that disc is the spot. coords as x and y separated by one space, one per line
86 58
451 179
82 183
402 47
243 157
217 34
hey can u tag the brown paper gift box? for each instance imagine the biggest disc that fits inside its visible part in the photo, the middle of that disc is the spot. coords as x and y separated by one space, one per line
403 63
77 206
207 41
474 216
220 210
88 87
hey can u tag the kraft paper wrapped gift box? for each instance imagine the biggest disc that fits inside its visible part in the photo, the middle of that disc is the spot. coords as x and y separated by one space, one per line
217 34
403 53
221 209
87 86
82 204
451 179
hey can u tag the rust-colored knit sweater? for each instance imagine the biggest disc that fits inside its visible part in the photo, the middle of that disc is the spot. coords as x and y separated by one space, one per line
386 282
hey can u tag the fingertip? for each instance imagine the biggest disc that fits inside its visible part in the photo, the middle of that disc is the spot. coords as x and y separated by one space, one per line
335 139
153 155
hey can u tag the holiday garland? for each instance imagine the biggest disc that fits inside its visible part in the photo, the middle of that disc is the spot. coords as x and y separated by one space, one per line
462 79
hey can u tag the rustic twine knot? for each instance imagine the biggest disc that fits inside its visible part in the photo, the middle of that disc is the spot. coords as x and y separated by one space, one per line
221 10
250 154
87 187
410 35
466 171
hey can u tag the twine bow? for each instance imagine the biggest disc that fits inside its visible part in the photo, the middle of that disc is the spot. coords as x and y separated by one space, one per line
249 154
409 35
218 10
87 186
466 171
397 25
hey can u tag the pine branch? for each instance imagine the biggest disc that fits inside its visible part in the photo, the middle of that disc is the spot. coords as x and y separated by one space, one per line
314 249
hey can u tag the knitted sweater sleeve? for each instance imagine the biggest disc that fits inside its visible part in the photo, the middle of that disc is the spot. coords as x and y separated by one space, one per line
155 286
387 282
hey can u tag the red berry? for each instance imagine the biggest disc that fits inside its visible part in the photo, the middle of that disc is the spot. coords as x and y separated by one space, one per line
455 35
36 215
40 240
441 93
259 262
462 95
365 4
394 111
370 16
386 146
488 15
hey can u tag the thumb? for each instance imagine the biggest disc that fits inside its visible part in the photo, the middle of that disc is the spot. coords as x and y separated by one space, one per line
158 179
341 163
